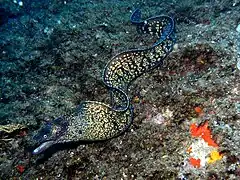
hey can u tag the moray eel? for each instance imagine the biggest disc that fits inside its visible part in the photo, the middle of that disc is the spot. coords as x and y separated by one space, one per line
96 121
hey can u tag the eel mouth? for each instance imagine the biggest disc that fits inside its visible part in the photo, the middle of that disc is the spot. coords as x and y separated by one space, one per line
42 147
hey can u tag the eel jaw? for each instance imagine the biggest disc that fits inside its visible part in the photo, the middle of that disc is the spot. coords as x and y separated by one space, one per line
42 147
49 134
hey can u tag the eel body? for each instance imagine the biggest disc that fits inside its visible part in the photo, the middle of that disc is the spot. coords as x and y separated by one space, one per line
97 121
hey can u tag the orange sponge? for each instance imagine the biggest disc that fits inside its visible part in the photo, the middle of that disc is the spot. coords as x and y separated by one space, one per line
195 162
203 132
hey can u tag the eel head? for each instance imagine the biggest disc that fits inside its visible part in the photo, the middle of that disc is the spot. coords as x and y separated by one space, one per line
49 134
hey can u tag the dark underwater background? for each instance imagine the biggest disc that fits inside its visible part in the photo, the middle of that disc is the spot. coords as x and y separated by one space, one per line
52 54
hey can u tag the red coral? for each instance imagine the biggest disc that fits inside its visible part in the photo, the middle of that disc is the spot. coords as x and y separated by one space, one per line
20 168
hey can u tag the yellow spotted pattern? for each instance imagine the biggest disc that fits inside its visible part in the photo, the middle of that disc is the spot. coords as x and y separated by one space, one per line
96 121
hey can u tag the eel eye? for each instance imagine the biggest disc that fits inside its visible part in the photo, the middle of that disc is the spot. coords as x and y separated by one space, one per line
44 136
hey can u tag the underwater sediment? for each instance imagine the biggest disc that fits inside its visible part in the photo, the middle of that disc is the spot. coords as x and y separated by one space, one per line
186 112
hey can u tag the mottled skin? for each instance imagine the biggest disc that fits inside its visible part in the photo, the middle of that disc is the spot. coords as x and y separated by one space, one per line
96 121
